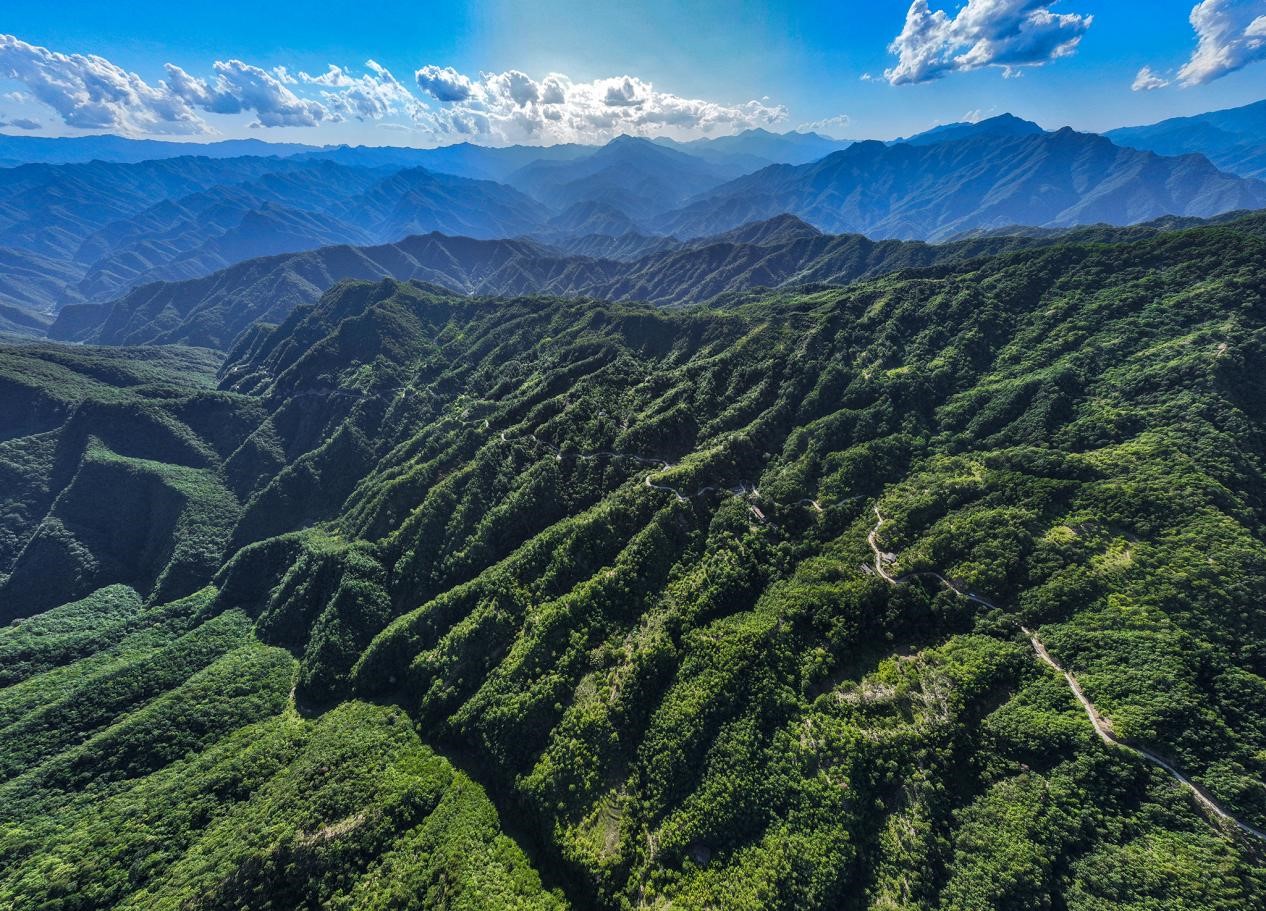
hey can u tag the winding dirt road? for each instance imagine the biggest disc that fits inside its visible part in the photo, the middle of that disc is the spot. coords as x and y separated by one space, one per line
1102 726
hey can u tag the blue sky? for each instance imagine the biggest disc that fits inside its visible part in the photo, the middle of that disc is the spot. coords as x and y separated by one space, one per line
714 67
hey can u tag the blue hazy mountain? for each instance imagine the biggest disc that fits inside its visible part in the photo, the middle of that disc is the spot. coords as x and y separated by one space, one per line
1004 125
81 232
636 177
79 149
1233 139
759 148
88 232
463 159
939 190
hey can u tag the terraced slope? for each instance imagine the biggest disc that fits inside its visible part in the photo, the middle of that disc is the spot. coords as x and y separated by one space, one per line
613 564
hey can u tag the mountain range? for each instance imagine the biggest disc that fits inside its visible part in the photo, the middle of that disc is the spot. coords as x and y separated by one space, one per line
782 252
764 522
940 590
88 233
1234 139
984 179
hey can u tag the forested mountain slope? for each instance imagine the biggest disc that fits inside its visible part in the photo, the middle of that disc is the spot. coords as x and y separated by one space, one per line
613 563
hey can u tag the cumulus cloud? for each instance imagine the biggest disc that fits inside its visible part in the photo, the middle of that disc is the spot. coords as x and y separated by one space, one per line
371 96
444 83
1001 33
92 93
513 107
239 87
1230 34
1148 80
21 123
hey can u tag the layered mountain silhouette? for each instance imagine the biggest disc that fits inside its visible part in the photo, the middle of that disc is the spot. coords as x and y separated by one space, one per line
936 191
88 233
1234 139
784 251
758 148
636 177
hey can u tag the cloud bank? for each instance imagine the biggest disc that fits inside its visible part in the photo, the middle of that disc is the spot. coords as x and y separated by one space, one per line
513 107
829 126
1148 80
91 93
1009 34
239 87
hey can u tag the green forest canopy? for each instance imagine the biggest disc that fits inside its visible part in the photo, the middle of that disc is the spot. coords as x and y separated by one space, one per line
378 612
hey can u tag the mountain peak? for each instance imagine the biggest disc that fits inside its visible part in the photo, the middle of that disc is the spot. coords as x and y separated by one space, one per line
781 229
1001 125
627 141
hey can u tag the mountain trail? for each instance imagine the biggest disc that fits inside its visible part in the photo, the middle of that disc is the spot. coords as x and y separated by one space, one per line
1102 725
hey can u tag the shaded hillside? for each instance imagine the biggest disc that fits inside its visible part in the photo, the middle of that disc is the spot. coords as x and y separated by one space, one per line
1004 126
614 561
936 191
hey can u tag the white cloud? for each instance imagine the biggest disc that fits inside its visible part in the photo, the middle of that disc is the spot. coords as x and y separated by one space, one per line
828 125
371 96
1230 34
444 83
239 87
1001 33
512 107
92 93
1148 80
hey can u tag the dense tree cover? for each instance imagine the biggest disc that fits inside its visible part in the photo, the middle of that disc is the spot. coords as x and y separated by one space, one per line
612 563
169 769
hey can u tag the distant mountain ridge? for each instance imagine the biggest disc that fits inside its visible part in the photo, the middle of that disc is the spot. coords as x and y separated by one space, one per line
213 310
760 148
1002 125
932 192
635 177
89 232
102 227
1233 139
